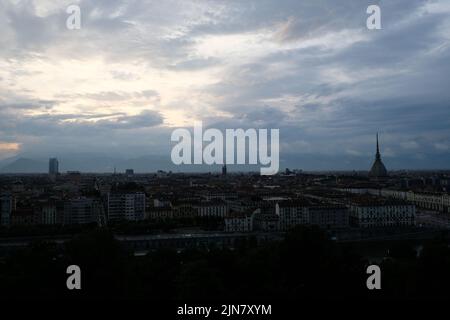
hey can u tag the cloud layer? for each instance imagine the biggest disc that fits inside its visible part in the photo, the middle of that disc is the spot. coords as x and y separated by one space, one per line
138 69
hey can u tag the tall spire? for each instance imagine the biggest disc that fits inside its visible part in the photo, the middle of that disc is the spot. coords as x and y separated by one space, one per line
378 156
378 169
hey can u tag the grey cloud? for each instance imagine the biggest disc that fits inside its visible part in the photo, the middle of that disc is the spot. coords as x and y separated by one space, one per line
114 95
28 104
195 64
143 120
79 125
394 81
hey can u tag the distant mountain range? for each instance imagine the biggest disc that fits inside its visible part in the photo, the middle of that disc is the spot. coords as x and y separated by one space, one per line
87 162
98 163
24 165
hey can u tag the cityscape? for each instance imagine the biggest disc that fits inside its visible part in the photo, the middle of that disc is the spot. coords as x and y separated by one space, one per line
224 158
381 217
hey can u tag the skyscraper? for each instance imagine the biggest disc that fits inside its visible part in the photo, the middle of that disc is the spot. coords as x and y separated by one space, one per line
378 169
53 166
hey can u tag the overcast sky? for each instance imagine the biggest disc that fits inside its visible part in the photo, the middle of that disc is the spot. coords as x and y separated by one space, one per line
138 69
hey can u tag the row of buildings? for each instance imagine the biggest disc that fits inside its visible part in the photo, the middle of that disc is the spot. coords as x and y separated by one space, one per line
286 215
426 200
246 214
50 212
366 212
80 210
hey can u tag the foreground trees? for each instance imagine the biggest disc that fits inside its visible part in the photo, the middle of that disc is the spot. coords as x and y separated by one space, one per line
305 265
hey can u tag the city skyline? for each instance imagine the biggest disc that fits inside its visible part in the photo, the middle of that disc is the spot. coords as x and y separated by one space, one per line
134 72
151 164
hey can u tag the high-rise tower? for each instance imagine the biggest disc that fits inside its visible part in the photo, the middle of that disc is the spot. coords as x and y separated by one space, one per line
378 169
53 166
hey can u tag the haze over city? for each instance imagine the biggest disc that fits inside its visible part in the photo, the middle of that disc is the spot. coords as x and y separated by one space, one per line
111 93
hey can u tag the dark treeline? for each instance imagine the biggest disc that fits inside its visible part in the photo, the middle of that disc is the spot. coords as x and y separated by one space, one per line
305 265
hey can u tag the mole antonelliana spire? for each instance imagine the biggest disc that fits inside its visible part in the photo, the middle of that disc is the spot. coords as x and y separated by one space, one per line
378 169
